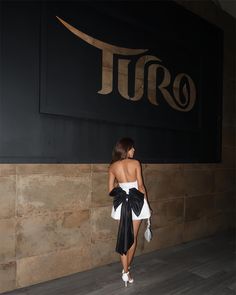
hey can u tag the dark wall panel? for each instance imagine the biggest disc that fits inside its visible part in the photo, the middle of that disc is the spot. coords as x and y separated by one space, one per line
39 124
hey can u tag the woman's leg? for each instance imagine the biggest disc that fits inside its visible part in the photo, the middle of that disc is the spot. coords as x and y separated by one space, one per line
127 259
131 251
124 261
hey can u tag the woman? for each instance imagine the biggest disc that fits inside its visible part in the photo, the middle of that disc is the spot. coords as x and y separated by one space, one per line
130 204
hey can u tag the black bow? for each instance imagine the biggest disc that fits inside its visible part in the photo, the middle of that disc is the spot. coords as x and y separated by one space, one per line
134 200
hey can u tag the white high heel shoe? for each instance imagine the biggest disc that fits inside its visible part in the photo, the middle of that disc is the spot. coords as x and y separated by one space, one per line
124 271
125 278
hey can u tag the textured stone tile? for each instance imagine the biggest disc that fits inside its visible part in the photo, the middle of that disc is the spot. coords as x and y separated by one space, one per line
224 180
160 167
7 196
195 229
36 269
100 167
197 182
100 196
228 157
53 169
200 166
225 201
228 136
167 212
165 237
39 192
229 114
49 232
103 227
161 184
7 169
199 206
7 240
170 235
231 219
7 276
103 252
218 222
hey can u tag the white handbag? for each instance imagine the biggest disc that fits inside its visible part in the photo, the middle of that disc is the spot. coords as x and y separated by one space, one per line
148 232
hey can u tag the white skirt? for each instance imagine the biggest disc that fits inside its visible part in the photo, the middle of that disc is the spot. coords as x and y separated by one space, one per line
145 212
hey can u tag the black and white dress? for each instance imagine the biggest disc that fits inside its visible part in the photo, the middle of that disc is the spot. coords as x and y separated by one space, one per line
145 212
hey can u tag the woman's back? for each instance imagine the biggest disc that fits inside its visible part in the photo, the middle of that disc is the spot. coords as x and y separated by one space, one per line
125 170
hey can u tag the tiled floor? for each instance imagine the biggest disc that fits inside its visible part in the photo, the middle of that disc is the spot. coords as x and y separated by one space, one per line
205 266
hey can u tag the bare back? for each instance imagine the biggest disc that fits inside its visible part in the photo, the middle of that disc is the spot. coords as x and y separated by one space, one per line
127 170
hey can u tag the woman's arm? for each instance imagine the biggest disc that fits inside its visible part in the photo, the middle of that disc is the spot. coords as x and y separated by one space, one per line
111 180
141 187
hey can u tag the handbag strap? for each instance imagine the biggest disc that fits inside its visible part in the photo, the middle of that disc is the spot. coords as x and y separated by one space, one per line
148 222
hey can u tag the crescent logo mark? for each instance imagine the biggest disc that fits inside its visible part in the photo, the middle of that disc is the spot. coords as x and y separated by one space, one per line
100 44
183 87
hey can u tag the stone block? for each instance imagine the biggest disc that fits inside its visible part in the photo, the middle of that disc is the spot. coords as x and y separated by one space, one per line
7 196
228 136
46 233
36 269
162 184
103 252
53 169
165 237
228 157
199 206
232 219
7 276
100 196
224 180
218 222
100 167
7 238
197 182
160 167
7 169
38 193
103 227
167 212
200 166
225 201
195 229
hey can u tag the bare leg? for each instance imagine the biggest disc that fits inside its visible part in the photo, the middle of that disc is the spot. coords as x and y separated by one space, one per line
131 251
124 261
127 259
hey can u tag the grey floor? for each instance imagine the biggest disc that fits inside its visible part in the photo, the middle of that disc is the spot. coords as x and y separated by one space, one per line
204 266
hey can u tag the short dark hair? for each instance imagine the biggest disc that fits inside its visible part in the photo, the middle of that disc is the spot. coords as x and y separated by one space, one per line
121 149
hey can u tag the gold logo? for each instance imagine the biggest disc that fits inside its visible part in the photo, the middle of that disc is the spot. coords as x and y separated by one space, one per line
153 64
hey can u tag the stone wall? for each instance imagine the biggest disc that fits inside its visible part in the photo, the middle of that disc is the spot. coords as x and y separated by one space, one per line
55 219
